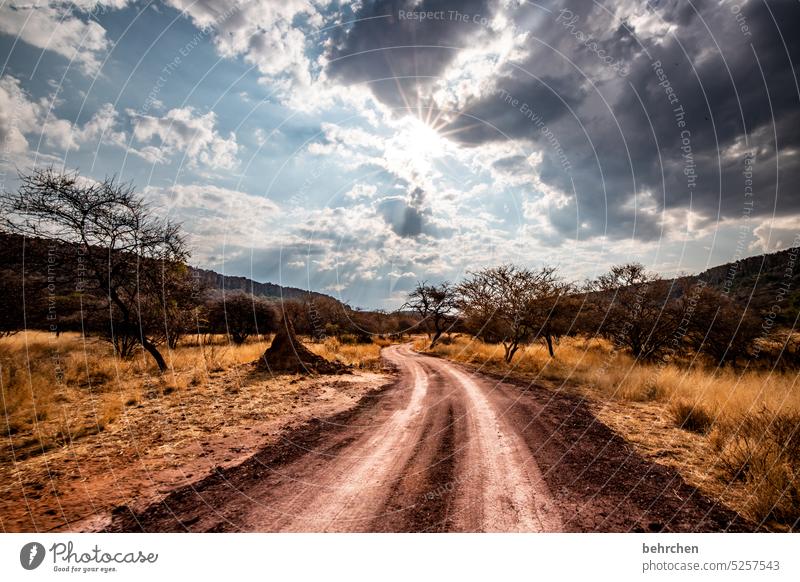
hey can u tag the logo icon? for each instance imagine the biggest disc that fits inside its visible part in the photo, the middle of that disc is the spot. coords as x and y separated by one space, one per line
31 555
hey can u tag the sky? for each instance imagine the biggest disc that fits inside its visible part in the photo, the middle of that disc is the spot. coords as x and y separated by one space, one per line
356 148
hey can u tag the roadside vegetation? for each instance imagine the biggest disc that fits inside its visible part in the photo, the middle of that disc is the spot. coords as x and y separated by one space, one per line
714 365
85 431
733 433
57 389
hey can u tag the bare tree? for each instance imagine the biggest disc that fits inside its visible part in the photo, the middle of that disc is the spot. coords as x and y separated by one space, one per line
553 310
512 305
635 309
435 304
131 260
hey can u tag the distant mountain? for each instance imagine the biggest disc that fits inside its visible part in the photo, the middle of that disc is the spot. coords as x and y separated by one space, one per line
215 280
761 282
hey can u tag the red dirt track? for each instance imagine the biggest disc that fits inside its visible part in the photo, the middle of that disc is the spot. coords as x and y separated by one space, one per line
442 449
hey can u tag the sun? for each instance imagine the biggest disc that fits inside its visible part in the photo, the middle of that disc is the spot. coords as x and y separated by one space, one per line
421 140
415 151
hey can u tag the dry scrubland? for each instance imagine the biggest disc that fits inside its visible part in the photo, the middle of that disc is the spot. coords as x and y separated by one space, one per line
61 388
72 411
85 430
56 389
733 434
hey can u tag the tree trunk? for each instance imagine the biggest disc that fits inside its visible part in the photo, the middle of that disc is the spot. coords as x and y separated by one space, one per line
153 351
436 337
511 349
549 339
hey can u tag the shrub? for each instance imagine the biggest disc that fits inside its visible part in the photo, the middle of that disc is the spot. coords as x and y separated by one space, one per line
691 417
763 450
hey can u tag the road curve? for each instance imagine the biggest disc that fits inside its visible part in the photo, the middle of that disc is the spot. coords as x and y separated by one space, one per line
442 449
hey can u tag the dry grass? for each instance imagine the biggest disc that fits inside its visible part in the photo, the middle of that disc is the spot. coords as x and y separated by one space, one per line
361 356
89 431
749 421
57 389
688 416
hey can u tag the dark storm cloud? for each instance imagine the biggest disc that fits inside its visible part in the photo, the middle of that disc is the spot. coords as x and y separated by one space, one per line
405 220
521 98
626 136
409 216
396 53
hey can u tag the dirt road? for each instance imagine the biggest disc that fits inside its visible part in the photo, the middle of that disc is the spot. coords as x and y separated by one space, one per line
442 449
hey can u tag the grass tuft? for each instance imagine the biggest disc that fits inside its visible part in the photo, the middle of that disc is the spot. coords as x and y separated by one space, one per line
690 416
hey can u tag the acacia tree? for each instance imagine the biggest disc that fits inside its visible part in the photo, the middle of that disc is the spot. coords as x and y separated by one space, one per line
131 264
720 328
634 308
435 304
512 305
241 315
551 313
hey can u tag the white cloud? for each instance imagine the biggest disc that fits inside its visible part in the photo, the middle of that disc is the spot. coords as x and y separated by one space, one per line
360 191
215 216
776 234
263 32
182 130
18 116
66 135
54 26
21 116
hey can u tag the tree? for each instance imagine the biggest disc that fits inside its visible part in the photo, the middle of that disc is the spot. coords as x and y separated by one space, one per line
553 310
435 305
241 315
719 327
513 305
132 262
635 309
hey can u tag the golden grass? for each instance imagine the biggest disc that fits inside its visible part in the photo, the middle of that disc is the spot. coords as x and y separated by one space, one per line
361 356
59 388
749 421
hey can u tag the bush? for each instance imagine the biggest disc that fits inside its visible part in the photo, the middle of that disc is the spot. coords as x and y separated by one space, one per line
763 450
691 417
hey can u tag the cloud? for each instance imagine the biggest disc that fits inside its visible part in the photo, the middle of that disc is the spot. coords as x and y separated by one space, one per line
271 35
100 128
21 116
183 130
399 56
776 234
18 116
361 191
56 27
216 216
631 161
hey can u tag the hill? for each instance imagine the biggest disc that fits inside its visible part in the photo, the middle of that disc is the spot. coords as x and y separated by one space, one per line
761 282
214 280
